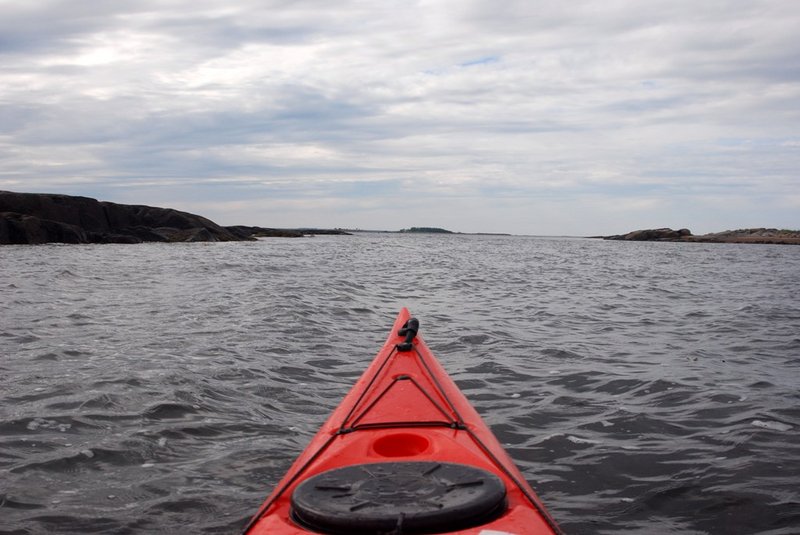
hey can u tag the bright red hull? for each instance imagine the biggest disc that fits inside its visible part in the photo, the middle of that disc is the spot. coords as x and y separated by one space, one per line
406 408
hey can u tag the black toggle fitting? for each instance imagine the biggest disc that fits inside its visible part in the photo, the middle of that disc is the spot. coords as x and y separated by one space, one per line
409 330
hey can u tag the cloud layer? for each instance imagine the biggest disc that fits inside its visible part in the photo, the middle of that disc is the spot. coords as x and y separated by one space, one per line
515 116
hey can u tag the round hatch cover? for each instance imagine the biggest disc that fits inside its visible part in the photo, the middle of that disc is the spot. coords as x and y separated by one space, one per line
398 497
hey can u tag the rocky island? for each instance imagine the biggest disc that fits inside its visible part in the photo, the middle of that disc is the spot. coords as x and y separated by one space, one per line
425 230
33 218
752 235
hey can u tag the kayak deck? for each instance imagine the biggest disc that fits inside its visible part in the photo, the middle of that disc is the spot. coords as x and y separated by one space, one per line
404 452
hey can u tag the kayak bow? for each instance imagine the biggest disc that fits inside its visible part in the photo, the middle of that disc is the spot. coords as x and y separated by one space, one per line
404 452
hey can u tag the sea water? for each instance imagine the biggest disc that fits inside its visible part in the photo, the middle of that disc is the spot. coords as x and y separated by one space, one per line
160 388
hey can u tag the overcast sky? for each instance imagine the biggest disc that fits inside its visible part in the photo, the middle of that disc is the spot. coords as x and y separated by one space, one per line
556 117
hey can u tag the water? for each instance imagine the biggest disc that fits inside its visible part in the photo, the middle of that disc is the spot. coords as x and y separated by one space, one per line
641 387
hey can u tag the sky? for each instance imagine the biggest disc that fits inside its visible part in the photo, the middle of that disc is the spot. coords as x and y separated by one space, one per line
542 117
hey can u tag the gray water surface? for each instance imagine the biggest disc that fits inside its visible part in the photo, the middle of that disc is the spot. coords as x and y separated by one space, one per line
641 387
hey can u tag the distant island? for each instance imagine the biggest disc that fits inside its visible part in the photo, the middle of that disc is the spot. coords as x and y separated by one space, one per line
751 235
35 218
427 230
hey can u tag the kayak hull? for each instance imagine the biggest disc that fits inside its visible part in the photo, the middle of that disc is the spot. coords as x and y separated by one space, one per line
405 409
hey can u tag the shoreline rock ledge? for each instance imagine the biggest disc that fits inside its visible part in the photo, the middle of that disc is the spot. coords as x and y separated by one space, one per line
34 218
658 234
750 235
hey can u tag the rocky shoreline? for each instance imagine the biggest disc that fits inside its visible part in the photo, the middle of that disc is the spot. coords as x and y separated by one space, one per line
35 218
752 235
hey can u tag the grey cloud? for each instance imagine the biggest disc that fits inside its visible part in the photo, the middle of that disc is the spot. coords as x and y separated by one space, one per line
37 27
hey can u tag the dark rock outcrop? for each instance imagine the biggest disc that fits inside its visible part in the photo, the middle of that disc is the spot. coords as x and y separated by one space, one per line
46 218
426 230
262 232
752 235
660 234
22 228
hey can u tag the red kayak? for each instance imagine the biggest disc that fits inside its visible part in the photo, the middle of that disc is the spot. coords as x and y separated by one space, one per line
404 452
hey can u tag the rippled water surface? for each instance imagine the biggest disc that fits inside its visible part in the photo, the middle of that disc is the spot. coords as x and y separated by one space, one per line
641 387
